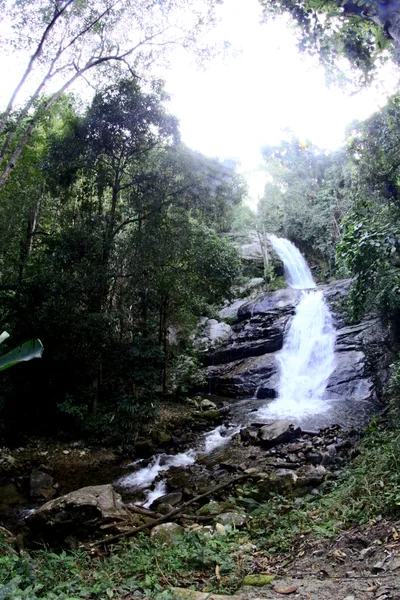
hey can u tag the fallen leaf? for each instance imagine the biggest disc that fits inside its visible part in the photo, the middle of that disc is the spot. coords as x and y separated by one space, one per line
340 556
395 533
218 573
289 590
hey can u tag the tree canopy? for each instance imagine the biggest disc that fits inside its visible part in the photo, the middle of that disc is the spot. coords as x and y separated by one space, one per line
364 32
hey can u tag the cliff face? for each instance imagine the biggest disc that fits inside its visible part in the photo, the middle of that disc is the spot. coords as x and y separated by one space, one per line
245 363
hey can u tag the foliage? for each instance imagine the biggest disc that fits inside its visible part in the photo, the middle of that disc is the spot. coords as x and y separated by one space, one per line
306 197
358 32
370 245
139 565
121 243
24 352
69 41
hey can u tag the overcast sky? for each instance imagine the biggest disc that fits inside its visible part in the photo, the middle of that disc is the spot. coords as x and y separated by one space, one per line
240 103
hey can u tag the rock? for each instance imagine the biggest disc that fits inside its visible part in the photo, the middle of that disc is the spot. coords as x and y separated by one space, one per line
167 533
211 415
163 508
315 458
231 311
211 508
144 448
308 475
258 580
41 485
80 513
161 438
282 480
207 405
278 432
220 529
250 434
173 498
213 334
234 519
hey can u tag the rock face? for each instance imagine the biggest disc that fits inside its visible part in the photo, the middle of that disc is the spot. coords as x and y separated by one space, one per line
80 513
245 364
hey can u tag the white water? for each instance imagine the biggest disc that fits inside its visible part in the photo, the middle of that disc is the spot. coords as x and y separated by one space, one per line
306 361
297 272
307 357
143 479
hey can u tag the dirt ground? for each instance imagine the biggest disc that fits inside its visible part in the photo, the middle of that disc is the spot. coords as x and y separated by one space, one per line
361 564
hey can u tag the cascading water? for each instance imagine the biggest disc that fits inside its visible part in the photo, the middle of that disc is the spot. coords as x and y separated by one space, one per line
306 361
307 357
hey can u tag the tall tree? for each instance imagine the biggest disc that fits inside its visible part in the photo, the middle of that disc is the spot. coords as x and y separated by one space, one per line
68 40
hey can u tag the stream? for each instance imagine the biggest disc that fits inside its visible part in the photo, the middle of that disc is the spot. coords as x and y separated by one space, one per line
305 364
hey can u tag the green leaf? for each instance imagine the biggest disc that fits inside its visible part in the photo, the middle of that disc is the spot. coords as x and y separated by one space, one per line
27 351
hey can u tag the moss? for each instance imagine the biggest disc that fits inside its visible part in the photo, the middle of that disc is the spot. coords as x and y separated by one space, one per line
258 580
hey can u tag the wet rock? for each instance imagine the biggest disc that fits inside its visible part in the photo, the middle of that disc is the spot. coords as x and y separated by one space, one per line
278 432
172 498
250 434
234 519
41 485
80 513
168 533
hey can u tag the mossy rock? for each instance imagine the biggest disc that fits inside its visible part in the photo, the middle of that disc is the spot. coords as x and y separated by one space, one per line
210 415
161 437
258 580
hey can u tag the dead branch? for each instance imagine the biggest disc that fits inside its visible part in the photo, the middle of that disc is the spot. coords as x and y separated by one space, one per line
172 513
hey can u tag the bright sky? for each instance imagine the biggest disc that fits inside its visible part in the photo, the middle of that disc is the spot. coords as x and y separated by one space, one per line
244 101
240 103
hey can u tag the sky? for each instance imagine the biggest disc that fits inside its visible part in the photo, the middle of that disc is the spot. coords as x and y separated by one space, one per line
248 98
240 103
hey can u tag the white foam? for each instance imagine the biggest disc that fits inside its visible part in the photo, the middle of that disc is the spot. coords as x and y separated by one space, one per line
143 478
160 489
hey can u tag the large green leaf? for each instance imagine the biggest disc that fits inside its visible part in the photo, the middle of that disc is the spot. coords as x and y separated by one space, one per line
26 351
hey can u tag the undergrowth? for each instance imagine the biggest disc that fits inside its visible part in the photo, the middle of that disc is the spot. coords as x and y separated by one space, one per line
139 566
368 488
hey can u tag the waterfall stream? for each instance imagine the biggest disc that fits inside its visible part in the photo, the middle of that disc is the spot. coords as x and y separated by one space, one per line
307 357
306 361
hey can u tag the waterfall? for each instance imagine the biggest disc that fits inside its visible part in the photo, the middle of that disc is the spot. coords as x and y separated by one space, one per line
307 357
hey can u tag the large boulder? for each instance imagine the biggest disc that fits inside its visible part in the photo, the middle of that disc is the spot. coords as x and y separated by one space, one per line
80 513
278 432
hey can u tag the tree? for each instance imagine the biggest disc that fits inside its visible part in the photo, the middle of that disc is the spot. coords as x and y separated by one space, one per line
371 243
361 32
69 40
306 197
124 247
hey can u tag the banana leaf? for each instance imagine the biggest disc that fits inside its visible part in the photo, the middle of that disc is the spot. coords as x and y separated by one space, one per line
26 351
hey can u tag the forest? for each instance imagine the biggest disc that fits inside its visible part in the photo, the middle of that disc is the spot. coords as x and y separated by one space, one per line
117 240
